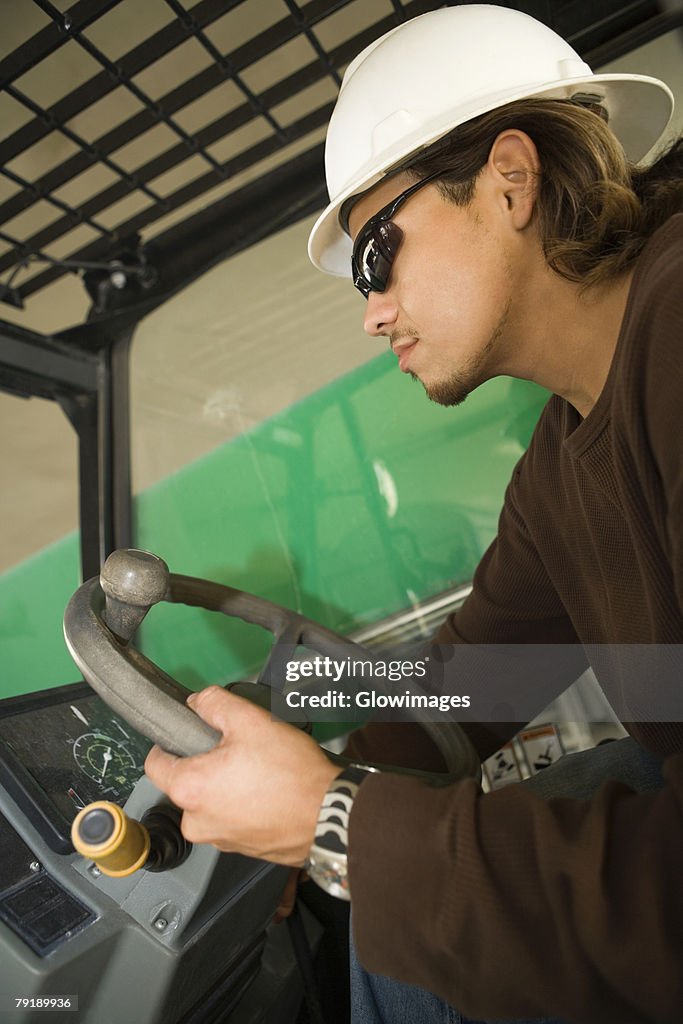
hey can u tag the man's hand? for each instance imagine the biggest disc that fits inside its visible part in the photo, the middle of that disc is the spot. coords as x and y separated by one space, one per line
258 792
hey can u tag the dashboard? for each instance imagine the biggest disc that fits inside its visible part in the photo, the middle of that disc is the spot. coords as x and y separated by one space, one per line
63 749
190 945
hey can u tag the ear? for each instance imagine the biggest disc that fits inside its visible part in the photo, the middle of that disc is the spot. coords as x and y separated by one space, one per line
514 169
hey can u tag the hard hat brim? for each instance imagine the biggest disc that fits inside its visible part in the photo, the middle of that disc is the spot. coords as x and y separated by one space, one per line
639 108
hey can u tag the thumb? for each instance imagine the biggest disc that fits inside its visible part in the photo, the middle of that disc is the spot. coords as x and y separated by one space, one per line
222 710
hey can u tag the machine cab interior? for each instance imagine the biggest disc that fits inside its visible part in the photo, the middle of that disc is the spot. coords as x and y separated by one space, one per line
176 377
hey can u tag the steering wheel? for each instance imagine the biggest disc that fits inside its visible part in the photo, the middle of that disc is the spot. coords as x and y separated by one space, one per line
105 612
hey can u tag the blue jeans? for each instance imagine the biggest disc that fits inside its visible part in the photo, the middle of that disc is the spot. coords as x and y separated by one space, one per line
379 1000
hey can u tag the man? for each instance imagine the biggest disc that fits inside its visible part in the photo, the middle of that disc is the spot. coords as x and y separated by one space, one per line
500 226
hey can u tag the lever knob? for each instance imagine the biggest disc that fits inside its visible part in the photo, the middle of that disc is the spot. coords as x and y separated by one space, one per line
103 832
132 582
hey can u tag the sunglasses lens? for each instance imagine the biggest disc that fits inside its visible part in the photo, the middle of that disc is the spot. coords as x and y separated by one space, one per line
373 255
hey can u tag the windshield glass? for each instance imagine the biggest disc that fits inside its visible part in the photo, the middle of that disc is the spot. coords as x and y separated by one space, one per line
39 543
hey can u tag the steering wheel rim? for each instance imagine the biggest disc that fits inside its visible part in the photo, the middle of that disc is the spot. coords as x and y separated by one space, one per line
149 699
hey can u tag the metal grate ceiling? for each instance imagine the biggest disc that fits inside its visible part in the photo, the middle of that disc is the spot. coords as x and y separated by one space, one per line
122 119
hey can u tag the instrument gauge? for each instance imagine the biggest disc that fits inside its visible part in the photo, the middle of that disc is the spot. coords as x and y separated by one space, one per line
107 761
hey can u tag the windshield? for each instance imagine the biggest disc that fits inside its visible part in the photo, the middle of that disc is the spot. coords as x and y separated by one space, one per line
39 543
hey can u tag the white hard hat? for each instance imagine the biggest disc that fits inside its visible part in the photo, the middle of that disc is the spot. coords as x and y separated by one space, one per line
419 81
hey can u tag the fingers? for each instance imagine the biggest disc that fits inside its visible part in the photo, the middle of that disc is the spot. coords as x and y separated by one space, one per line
160 767
288 898
222 710
180 777
210 705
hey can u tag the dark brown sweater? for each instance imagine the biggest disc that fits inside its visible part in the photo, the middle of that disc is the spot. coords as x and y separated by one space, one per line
508 905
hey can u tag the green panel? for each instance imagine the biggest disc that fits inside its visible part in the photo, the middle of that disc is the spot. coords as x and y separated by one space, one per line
358 501
33 596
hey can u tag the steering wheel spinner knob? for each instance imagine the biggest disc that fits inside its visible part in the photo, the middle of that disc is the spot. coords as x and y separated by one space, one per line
135 577
132 582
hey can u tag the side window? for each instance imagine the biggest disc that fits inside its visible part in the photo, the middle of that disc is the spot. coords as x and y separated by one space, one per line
39 554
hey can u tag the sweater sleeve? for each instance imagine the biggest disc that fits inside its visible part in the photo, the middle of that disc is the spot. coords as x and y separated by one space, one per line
403 744
509 905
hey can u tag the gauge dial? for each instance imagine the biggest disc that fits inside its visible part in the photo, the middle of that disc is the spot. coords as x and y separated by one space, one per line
106 760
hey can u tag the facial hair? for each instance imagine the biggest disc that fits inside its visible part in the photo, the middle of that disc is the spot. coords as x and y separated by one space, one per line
450 392
454 389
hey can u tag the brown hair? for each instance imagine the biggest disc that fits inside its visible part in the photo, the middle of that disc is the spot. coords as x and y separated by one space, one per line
595 210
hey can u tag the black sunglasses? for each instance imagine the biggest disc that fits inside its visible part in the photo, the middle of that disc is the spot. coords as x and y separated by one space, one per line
378 241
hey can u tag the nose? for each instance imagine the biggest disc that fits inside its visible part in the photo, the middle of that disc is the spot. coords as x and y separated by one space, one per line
381 313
